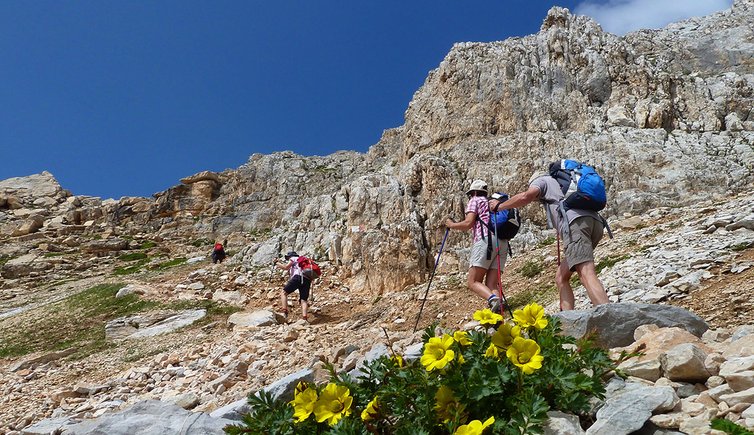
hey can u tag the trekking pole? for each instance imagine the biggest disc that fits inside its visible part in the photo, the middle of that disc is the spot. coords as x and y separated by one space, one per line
500 270
447 230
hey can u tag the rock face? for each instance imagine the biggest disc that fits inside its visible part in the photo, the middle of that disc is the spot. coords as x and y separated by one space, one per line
665 115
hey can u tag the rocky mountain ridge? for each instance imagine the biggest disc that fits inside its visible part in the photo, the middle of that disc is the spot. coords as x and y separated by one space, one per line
665 115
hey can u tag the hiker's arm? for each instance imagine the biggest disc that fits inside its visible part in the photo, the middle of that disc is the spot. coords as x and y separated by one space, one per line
521 199
465 224
283 266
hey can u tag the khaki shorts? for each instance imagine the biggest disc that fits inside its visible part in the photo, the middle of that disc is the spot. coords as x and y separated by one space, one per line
585 234
478 257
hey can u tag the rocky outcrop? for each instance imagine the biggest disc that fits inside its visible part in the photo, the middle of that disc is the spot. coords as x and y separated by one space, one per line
665 115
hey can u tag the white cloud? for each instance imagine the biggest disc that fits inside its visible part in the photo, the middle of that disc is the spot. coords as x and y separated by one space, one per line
623 16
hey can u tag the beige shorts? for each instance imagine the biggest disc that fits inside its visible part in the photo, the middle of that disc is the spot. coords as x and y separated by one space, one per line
585 234
478 257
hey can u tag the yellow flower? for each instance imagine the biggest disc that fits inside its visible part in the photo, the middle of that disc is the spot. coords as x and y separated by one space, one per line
492 352
487 317
437 353
524 353
462 337
370 412
446 404
503 337
397 360
475 427
333 404
303 402
461 359
532 315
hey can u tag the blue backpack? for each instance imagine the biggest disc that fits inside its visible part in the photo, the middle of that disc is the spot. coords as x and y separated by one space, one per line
504 223
582 186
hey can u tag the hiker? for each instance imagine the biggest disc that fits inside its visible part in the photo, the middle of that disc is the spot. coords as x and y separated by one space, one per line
297 281
581 231
218 253
483 261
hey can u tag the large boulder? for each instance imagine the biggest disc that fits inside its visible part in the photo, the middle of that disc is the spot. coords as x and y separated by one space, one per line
150 417
614 324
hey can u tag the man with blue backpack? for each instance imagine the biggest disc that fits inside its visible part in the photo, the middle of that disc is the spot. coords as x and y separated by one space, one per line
572 193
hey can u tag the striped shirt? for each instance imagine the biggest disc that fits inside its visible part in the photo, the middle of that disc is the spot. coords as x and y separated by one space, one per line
480 206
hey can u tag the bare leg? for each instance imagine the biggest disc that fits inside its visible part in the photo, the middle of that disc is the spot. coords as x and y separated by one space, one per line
594 288
491 281
304 308
476 284
563 283
283 301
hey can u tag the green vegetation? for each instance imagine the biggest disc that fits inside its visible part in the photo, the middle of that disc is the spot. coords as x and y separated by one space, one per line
465 381
575 281
198 243
133 268
260 233
530 269
79 322
545 293
147 244
138 260
546 242
729 427
737 247
609 261
168 264
133 256
4 259
53 254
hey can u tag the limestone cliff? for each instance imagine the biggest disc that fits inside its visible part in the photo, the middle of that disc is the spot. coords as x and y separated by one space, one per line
665 115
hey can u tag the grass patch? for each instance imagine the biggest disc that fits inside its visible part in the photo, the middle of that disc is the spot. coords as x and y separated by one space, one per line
530 269
148 244
77 321
168 264
133 268
574 281
53 254
4 259
543 295
546 242
610 261
133 256
737 247
198 243
260 233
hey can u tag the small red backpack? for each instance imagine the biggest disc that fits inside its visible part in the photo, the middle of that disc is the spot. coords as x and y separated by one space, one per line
309 268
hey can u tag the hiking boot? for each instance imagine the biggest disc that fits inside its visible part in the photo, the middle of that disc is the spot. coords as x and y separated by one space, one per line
494 303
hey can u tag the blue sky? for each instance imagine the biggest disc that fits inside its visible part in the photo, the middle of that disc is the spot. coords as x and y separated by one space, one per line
124 98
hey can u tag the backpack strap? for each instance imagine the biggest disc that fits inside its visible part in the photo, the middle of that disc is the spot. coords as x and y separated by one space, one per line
607 226
483 227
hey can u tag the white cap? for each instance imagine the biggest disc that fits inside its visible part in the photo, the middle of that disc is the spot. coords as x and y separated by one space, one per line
477 185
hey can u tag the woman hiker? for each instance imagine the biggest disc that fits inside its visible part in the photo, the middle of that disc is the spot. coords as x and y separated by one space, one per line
483 268
297 281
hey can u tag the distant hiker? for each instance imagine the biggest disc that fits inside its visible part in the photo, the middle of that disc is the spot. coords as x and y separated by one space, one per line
297 281
581 230
218 253
483 261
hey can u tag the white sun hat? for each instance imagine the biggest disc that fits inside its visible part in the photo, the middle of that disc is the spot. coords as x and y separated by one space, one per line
477 185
